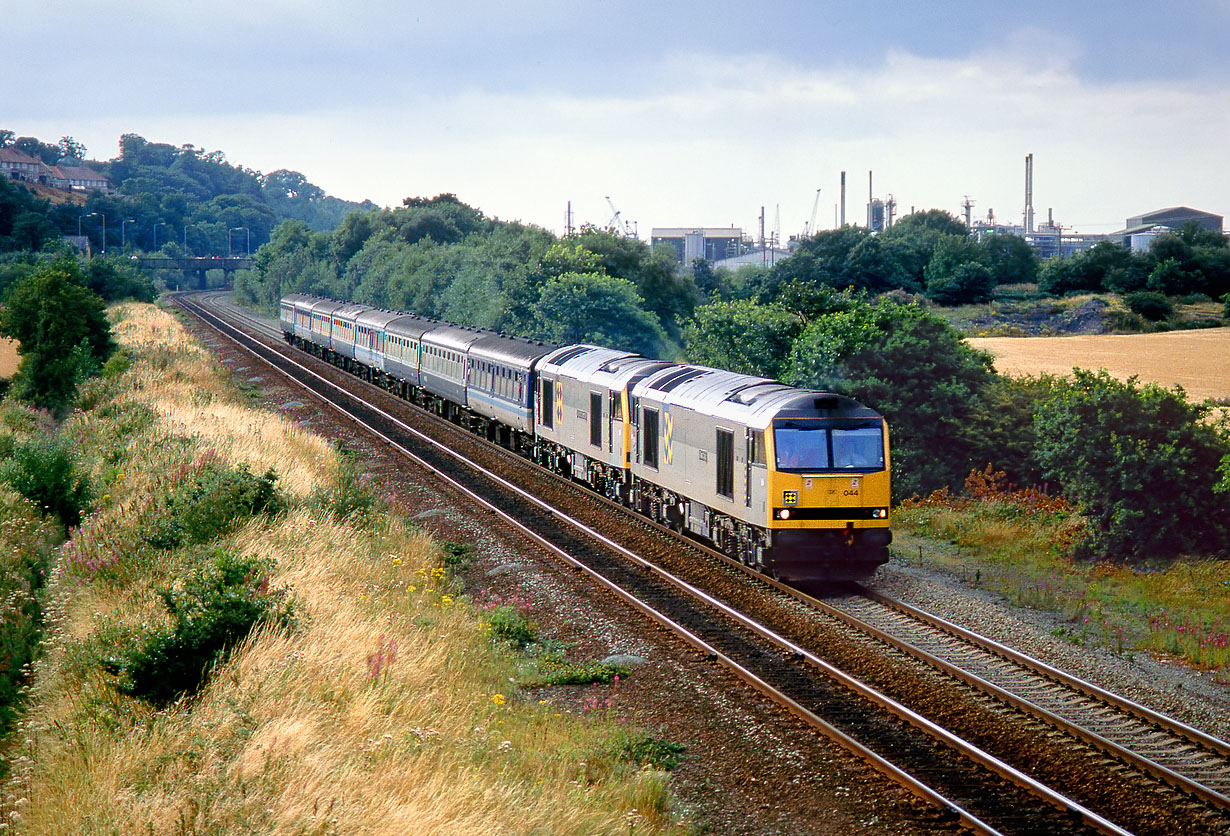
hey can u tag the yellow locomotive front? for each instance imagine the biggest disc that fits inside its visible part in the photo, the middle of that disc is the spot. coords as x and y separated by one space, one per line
828 491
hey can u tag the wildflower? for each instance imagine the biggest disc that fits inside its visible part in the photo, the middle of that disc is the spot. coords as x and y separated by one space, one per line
446 601
498 699
412 588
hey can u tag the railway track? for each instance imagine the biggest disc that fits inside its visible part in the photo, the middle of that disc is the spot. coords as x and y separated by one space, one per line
796 665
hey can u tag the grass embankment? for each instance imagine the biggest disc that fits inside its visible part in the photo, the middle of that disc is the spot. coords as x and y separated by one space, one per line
386 706
1014 543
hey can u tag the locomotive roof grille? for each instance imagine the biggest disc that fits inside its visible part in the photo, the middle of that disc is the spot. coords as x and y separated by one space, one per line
677 378
570 354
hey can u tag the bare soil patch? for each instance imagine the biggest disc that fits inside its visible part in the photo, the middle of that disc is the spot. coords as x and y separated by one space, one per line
1196 360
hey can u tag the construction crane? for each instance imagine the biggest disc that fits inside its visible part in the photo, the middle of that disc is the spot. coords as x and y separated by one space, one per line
967 206
809 228
617 225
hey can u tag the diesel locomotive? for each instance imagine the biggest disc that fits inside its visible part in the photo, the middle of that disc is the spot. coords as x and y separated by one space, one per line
792 482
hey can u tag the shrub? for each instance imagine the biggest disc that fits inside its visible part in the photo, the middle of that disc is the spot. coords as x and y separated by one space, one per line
211 503
1151 305
553 671
1225 311
27 548
45 470
1140 462
211 612
649 750
350 494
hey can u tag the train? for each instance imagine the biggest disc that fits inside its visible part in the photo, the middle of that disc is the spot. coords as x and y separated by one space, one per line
791 482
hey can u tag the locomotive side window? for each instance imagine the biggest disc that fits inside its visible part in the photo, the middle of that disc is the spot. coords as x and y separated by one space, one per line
649 438
546 409
595 419
726 463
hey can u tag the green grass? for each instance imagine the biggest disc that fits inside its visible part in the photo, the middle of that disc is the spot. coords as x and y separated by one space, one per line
1016 546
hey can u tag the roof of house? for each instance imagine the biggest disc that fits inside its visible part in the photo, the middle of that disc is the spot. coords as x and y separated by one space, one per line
77 172
12 155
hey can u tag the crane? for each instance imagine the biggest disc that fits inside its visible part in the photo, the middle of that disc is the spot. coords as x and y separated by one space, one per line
618 226
809 228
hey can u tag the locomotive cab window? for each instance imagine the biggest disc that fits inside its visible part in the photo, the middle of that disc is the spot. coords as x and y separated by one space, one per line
841 446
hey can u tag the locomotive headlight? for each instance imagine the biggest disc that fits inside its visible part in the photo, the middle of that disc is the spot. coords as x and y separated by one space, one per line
784 514
879 514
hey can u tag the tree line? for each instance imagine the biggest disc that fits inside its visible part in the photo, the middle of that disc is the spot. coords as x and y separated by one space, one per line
849 311
178 200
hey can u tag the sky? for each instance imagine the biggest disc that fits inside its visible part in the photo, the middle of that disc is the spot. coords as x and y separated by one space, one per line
683 114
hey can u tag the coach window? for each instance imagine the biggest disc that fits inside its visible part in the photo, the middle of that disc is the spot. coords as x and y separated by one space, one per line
649 438
546 409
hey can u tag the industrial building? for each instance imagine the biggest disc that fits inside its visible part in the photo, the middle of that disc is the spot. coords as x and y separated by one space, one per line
1139 231
713 244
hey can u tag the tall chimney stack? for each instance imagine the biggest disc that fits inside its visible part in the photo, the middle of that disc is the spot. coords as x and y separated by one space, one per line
843 198
1029 194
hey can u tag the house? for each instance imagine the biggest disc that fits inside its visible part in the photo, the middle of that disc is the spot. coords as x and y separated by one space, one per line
18 165
78 177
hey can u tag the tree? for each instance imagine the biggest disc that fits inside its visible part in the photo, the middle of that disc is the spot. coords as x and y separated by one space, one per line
1140 461
71 148
63 331
917 371
969 283
742 336
1010 259
6 138
600 309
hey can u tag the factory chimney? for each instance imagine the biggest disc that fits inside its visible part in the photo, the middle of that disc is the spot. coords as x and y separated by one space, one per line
843 199
870 198
1029 194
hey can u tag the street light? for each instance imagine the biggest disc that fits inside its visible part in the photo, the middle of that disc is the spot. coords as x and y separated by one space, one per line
90 215
160 223
247 247
124 232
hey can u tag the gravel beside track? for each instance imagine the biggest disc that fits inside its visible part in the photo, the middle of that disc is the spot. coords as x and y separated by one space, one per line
752 770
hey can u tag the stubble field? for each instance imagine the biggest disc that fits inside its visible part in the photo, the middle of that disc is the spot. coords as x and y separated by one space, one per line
1196 360
8 358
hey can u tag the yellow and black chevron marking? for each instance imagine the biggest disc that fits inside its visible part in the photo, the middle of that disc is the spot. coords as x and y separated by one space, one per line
669 425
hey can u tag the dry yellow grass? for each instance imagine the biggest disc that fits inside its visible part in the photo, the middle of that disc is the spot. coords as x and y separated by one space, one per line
384 711
1196 360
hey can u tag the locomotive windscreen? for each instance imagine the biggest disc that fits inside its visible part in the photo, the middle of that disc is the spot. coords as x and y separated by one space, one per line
828 446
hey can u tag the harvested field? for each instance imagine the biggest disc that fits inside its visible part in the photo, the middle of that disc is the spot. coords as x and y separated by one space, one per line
1196 360
8 358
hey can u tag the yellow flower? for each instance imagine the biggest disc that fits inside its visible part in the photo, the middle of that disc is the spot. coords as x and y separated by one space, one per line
498 699
412 588
397 561
446 601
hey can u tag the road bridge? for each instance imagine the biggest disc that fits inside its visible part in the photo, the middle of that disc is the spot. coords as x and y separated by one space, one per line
194 269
